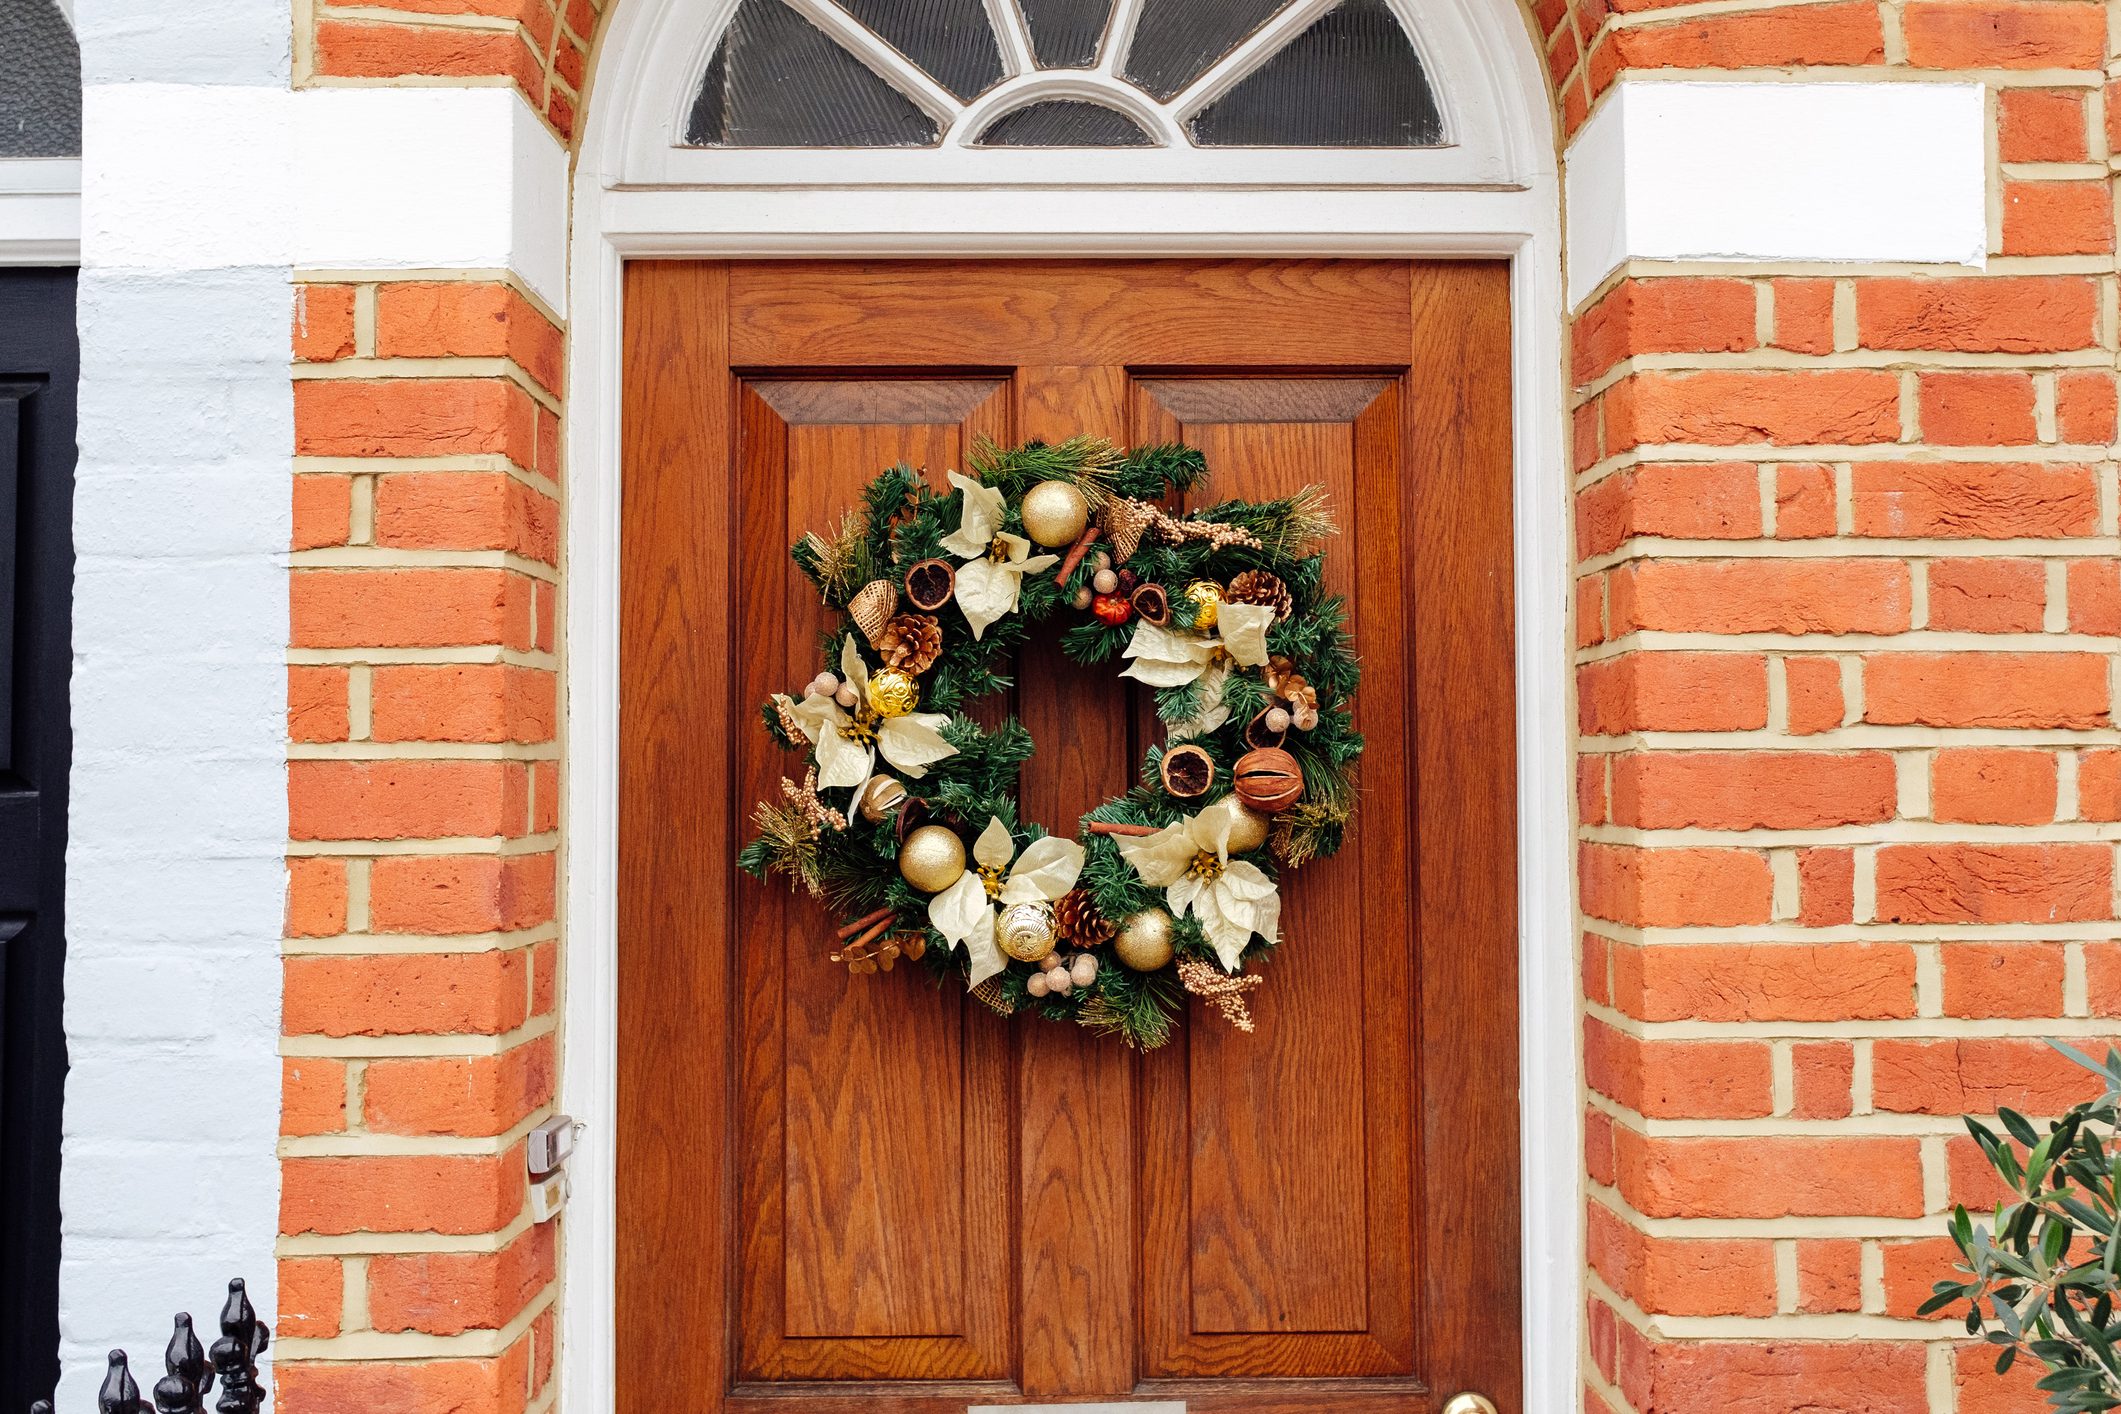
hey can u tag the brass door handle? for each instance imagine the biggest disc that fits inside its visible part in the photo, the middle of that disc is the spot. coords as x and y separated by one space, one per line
1469 1403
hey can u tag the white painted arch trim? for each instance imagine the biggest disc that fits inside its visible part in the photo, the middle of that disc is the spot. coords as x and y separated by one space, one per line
1472 50
636 197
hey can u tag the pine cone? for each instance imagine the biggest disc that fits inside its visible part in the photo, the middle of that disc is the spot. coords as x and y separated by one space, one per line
911 643
1260 587
1077 923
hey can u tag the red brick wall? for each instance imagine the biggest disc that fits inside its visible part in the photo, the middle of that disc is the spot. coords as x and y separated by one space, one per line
1849 783
423 796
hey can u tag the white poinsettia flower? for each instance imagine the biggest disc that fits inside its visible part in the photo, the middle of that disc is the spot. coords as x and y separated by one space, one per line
991 583
848 743
966 912
1164 657
1190 861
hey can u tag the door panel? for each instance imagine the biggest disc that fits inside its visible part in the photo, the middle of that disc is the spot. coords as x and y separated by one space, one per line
1276 1165
38 373
875 1165
841 1193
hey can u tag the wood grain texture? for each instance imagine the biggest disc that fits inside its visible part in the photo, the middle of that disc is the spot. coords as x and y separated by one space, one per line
1465 771
874 1160
1073 313
675 866
1277 1240
1076 1091
863 1194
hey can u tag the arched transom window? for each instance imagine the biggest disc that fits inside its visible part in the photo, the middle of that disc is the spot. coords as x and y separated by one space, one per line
1342 74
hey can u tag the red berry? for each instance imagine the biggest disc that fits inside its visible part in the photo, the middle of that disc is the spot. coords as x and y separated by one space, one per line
1112 608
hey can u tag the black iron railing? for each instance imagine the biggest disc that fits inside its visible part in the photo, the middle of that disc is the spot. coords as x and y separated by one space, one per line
193 1370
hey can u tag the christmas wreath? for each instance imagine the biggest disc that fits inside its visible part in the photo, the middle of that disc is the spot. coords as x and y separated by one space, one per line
906 820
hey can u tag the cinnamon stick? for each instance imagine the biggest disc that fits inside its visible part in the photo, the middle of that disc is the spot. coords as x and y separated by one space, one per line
859 924
1114 827
869 937
1076 553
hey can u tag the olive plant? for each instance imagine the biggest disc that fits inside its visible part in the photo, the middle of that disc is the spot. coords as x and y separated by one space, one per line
2042 1279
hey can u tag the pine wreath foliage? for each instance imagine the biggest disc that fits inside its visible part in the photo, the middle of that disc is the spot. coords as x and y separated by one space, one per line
901 520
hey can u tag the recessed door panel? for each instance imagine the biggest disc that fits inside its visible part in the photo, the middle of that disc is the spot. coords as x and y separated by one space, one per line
1282 1158
872 1159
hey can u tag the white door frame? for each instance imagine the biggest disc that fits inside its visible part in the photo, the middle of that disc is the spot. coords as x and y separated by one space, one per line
622 214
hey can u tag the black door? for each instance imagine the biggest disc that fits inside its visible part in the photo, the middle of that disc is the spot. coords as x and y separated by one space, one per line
39 359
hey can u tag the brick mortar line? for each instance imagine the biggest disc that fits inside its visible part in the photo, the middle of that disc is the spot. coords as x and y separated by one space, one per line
1884 833
1638 549
1856 272
379 1145
369 17
367 467
312 1046
462 655
1912 640
1778 934
1881 1124
420 944
2062 1028
1768 358
1859 1228
1866 454
1858 737
386 1244
498 845
1831 1327
414 1347
423 751
373 557
450 368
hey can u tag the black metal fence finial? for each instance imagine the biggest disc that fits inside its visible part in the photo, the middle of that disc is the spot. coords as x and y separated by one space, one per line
235 1354
119 1394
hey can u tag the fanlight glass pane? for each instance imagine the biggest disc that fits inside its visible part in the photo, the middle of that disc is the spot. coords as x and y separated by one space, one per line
1064 122
1176 41
40 84
777 81
952 39
1066 34
1351 80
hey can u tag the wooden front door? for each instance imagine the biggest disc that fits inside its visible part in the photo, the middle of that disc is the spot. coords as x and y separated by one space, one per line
865 1193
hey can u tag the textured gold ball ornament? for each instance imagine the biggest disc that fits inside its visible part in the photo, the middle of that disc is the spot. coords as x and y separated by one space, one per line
932 858
1025 931
1144 944
893 693
1055 514
882 796
1204 600
1248 828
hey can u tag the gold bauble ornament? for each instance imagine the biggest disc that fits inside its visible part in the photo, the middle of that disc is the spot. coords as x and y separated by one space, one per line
893 693
932 858
1025 931
1144 944
1248 828
1204 599
882 797
1055 514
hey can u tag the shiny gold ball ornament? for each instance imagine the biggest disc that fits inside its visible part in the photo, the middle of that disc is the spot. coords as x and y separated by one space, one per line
1025 931
1055 514
893 693
1203 601
881 798
1248 828
932 858
1144 944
